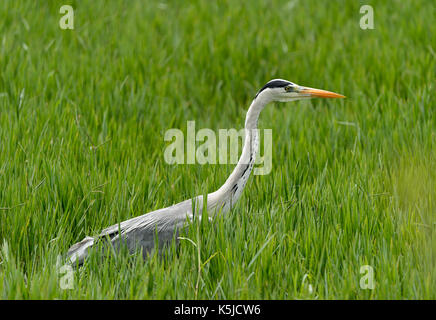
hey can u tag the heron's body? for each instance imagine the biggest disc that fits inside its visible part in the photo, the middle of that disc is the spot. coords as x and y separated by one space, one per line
140 233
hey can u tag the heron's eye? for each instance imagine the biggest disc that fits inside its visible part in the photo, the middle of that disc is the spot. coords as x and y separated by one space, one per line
289 88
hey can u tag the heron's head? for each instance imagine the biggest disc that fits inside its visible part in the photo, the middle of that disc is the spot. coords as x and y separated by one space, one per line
283 90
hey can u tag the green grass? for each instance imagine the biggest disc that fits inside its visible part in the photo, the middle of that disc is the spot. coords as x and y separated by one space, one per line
83 114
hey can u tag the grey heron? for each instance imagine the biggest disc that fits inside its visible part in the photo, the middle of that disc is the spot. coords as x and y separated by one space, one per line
139 233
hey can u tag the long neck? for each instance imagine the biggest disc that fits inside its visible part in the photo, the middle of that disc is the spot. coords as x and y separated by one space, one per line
226 197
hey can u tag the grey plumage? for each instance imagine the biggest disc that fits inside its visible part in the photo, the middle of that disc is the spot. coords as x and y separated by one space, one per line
140 233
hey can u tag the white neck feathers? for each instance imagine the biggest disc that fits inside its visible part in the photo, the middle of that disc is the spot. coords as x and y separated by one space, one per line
226 197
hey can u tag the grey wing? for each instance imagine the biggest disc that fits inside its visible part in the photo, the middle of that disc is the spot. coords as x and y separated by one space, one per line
140 233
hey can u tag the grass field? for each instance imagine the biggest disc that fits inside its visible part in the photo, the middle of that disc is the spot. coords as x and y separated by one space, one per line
83 114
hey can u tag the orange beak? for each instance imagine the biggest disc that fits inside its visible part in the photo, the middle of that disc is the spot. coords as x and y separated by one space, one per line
320 93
